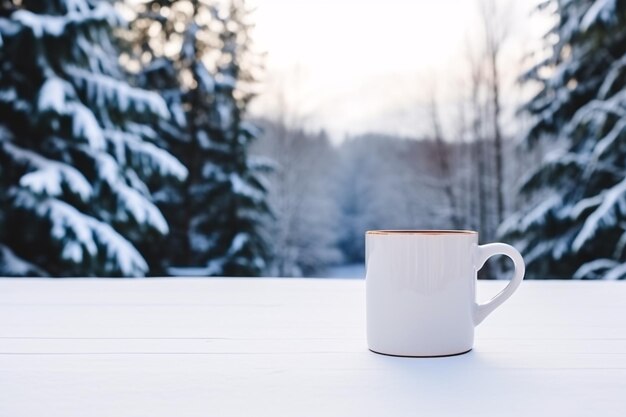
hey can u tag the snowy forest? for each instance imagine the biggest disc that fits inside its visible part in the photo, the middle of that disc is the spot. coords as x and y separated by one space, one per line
128 148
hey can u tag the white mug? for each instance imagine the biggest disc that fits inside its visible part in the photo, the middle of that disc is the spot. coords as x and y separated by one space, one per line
420 285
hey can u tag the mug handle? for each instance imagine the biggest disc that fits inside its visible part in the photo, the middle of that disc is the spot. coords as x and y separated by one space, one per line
485 252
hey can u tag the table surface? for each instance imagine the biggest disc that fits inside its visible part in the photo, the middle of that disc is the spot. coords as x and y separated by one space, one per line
296 347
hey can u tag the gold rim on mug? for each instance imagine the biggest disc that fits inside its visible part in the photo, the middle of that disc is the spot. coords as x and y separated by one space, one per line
420 232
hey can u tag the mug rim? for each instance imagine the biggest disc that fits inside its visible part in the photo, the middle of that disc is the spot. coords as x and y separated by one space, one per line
422 232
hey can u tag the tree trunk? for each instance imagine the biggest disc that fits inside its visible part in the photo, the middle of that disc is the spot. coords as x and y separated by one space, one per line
497 134
444 167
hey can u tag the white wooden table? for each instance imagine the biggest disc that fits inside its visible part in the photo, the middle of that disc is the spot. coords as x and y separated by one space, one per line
287 347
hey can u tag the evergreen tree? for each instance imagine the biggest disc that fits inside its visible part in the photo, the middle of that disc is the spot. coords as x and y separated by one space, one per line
222 211
155 31
574 225
231 208
77 152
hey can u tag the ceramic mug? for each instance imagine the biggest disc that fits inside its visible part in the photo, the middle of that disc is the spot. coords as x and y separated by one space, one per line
420 285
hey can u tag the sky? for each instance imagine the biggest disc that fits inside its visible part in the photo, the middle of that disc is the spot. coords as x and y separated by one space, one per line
355 66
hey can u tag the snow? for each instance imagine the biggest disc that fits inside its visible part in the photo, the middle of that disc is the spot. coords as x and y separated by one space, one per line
127 258
13 265
178 113
85 125
600 11
50 180
509 225
58 96
40 24
166 164
262 163
590 269
614 74
141 209
201 242
107 91
146 156
538 250
81 6
585 204
215 267
52 96
64 218
50 176
607 215
619 272
619 247
46 182
206 81
250 129
108 170
55 26
82 236
538 215
141 130
130 202
238 243
136 183
605 143
225 114
203 139
242 188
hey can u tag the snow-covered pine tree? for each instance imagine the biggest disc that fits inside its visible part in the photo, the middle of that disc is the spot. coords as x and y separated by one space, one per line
155 57
77 152
229 192
219 217
575 223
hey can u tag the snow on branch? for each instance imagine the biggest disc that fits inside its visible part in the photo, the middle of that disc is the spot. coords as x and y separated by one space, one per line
607 215
250 129
619 272
57 96
12 265
53 96
552 168
616 70
49 177
85 125
146 157
585 204
142 210
605 144
594 269
205 79
510 225
602 11
56 26
241 187
541 249
538 216
103 90
262 164
238 243
131 203
595 112
83 237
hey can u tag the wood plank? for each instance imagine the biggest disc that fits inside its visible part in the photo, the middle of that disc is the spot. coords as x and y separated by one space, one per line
275 347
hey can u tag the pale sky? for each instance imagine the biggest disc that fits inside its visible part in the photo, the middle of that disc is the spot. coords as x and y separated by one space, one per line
352 66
